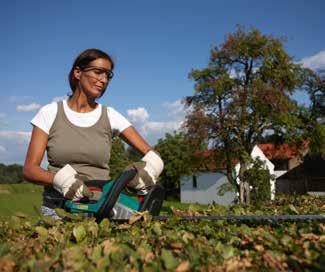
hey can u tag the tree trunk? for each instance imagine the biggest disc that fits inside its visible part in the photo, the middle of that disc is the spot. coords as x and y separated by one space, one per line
247 194
241 192
243 185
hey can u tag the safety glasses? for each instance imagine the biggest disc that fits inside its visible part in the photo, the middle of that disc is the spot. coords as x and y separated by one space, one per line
99 72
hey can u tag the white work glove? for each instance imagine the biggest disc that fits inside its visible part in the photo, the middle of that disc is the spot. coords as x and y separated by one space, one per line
148 170
66 182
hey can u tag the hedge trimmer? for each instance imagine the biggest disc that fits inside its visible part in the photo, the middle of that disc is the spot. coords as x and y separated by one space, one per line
117 204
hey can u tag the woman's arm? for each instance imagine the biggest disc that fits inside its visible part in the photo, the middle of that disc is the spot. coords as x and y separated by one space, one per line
150 167
36 149
131 136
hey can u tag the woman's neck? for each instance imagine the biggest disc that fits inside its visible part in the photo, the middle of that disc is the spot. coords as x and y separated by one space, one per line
79 102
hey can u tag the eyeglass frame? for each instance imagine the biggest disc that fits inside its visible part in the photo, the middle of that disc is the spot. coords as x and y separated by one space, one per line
109 73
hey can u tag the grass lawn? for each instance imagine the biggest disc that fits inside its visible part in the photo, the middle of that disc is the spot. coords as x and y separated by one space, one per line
23 198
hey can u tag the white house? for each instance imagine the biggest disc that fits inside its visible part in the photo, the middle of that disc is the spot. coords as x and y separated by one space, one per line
203 187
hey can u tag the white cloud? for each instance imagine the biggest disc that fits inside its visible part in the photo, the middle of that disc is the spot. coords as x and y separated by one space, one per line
3 119
19 136
59 98
33 106
27 108
13 146
314 62
176 109
161 127
139 115
153 130
2 149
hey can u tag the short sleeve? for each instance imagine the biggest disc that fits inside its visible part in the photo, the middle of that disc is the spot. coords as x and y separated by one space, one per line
45 117
118 121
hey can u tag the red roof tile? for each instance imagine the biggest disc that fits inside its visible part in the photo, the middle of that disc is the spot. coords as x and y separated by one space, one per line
283 151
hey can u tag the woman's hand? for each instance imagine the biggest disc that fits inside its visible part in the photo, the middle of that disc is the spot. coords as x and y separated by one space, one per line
66 182
148 171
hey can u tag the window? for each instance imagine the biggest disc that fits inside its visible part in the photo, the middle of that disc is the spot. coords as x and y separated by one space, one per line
194 181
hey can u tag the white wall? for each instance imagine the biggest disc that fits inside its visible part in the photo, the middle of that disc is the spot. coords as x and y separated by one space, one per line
206 191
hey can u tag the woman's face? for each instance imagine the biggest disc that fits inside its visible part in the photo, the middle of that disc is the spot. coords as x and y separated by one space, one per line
94 78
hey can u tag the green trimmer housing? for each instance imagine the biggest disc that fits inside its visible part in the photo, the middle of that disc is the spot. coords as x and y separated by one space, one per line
114 202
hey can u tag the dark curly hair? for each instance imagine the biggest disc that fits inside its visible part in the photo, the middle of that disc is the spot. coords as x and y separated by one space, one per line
83 60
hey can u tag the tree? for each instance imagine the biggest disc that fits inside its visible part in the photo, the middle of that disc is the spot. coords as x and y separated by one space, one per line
119 158
12 173
179 159
314 84
133 154
243 94
258 177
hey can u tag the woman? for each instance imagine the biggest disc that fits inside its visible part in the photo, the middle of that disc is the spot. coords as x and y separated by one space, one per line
77 135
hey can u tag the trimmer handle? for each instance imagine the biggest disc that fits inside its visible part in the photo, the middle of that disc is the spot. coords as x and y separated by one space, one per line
111 197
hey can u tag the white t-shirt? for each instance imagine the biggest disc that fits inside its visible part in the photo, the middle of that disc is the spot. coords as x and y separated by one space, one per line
45 117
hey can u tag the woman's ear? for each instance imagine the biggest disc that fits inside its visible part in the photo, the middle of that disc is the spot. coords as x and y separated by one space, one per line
77 73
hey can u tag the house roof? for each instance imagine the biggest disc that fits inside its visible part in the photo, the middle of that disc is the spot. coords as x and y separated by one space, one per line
283 151
215 160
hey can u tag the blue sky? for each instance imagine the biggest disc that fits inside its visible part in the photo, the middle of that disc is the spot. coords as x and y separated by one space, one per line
155 44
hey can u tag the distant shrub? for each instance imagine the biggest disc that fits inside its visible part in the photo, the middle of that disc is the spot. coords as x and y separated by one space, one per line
259 178
12 173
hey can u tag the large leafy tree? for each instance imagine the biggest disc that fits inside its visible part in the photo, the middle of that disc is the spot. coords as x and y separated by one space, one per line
243 94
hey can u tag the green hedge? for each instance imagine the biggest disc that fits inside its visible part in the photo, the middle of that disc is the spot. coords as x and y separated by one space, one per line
75 244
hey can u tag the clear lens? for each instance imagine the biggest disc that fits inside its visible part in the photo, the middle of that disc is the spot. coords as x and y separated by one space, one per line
99 72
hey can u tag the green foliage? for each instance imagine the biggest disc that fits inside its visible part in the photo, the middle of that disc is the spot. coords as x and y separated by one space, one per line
119 158
317 140
259 179
225 188
133 154
314 84
283 204
145 245
12 173
179 158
